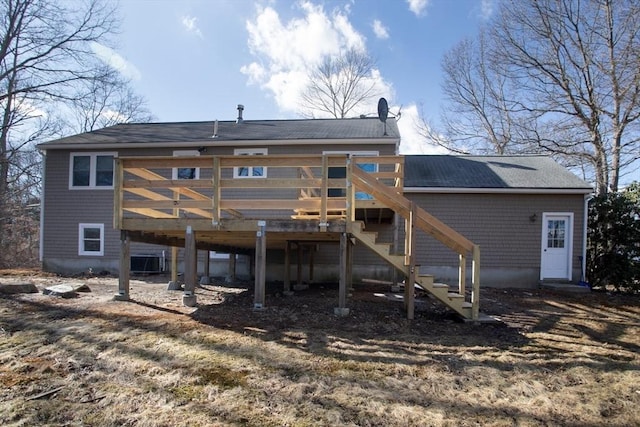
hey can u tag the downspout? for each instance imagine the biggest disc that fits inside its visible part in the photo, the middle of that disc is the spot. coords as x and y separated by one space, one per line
583 266
41 232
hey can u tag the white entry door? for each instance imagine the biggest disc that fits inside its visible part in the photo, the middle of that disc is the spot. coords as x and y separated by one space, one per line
557 247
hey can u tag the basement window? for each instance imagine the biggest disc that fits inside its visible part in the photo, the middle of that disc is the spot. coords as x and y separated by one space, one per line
91 171
91 239
250 171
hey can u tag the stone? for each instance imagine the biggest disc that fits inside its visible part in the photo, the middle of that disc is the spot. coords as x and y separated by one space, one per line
18 288
63 291
174 286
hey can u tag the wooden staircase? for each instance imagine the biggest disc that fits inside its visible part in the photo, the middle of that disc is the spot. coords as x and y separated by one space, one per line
440 291
417 219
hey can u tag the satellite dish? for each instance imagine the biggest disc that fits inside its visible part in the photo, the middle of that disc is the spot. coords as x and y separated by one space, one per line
383 110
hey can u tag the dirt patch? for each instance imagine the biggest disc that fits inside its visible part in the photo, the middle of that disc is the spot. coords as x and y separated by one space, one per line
558 359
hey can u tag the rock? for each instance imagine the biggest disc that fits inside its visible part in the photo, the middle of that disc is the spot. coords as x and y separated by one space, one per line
18 288
64 291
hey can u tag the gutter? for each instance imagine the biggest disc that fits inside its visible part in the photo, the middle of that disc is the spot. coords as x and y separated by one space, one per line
459 190
217 142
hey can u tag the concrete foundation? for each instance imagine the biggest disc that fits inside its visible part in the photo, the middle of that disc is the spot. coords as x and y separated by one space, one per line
341 312
120 297
189 300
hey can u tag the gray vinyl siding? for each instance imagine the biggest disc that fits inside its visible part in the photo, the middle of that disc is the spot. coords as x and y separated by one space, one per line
500 224
66 208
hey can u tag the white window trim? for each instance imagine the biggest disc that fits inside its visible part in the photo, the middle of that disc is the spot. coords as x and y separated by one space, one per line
250 152
92 170
185 153
81 228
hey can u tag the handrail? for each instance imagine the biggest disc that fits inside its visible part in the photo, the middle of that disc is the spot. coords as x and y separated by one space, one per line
147 187
423 219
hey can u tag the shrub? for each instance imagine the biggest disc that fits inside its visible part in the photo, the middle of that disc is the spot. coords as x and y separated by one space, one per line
613 248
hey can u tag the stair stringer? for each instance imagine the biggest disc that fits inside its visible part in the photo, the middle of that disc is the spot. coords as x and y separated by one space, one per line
440 291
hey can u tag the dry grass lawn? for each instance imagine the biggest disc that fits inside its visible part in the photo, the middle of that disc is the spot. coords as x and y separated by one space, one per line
570 360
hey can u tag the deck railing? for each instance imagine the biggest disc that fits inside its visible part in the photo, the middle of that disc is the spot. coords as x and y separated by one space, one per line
265 187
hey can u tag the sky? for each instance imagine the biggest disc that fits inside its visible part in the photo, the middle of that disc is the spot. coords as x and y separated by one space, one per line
195 60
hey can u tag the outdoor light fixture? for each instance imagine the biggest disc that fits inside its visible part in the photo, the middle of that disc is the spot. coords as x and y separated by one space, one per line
533 217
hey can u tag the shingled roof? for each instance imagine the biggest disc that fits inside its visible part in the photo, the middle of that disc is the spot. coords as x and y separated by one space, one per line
229 131
489 172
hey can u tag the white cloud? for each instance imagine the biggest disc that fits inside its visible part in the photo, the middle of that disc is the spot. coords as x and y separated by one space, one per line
190 23
412 142
486 9
380 30
418 7
285 52
115 61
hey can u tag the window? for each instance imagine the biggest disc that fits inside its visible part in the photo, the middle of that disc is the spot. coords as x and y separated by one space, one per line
555 233
250 171
186 173
340 172
91 239
91 170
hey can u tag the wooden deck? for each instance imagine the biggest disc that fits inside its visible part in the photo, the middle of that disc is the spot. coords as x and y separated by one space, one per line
287 198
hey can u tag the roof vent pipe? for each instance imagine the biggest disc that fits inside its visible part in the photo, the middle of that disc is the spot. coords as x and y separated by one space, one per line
215 129
240 109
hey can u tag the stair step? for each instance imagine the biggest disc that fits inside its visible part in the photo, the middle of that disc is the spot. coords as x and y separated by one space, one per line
441 285
467 305
453 295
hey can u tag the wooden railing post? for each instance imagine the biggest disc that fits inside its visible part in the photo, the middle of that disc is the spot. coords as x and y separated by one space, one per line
118 194
475 283
324 193
215 198
351 200
462 273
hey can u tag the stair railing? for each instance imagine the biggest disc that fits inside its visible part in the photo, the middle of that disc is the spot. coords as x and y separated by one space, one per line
417 217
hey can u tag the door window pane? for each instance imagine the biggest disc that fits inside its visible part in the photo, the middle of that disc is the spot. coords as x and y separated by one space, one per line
556 233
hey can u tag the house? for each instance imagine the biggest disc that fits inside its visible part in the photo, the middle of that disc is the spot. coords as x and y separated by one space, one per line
321 200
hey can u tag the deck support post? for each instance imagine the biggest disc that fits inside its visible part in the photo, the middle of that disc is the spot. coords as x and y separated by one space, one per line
261 266
204 280
341 309
173 283
125 267
410 260
190 268
300 259
311 263
231 269
287 268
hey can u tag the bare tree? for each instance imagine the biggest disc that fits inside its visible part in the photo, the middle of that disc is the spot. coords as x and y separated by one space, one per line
45 53
340 84
106 102
577 67
481 116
